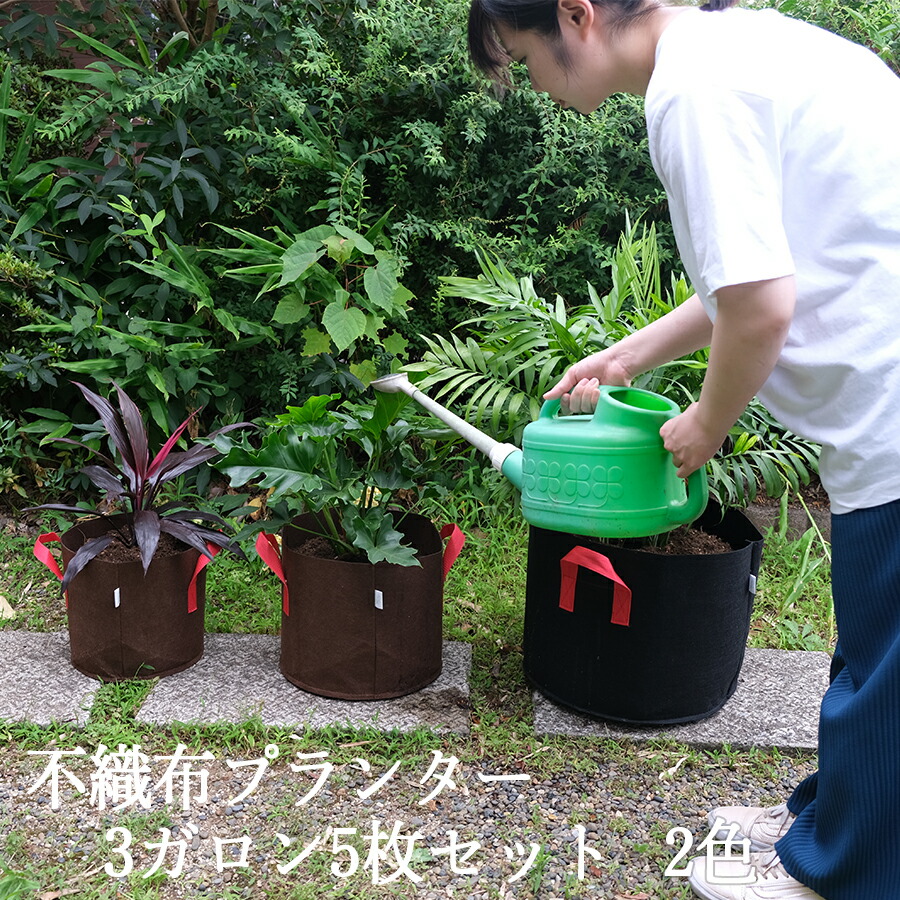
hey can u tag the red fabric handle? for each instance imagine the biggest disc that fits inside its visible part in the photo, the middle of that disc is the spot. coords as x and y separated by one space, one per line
455 541
269 552
202 563
45 556
596 562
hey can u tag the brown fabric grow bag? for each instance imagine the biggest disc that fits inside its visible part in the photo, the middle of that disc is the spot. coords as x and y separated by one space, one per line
340 638
688 617
143 631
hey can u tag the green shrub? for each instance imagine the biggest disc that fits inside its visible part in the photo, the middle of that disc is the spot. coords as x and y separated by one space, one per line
116 180
872 23
333 113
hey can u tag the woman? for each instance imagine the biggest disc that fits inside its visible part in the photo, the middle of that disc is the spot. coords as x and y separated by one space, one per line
778 145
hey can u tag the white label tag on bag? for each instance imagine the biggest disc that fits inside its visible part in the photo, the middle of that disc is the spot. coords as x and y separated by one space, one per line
116 598
379 600
753 584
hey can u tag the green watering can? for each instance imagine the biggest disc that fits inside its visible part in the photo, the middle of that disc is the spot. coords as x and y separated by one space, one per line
602 475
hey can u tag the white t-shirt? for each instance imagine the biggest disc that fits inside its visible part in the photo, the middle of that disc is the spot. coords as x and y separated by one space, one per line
778 144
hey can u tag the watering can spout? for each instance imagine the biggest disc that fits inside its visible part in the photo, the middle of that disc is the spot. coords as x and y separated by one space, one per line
512 466
496 451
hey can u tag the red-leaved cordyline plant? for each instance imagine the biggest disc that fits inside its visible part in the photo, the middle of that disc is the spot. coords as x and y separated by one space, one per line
137 482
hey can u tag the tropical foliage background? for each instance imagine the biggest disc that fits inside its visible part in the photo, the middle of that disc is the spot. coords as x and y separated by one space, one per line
230 206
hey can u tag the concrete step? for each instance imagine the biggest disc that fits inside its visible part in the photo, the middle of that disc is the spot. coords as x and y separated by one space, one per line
37 681
775 705
238 677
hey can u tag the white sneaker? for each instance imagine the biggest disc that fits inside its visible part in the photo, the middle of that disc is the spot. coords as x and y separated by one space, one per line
729 878
762 826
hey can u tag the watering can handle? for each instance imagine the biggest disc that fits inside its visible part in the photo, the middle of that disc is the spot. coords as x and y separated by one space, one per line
549 408
680 511
694 503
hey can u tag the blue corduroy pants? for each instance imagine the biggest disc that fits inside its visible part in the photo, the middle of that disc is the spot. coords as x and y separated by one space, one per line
843 842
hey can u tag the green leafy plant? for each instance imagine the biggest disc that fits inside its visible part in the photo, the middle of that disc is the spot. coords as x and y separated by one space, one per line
354 464
256 115
794 604
338 288
760 453
137 481
521 345
873 23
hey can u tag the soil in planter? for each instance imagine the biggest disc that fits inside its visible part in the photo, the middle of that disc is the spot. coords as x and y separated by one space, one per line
686 541
118 551
321 548
683 541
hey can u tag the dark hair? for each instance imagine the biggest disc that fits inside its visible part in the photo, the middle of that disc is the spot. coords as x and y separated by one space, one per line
540 16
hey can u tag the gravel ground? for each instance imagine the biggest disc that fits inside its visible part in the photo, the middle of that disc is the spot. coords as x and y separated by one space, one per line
277 843
528 845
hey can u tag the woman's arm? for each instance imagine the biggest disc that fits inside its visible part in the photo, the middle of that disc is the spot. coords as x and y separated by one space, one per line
752 323
682 331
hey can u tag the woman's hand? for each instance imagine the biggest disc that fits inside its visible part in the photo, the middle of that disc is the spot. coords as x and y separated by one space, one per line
579 387
751 327
582 399
690 440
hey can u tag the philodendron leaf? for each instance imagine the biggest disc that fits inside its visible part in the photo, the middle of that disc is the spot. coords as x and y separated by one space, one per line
387 408
390 481
286 463
313 410
374 533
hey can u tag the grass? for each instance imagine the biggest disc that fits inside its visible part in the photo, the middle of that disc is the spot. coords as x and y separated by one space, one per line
484 606
242 597
793 608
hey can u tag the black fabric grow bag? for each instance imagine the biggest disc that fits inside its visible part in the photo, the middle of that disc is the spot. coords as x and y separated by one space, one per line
679 657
